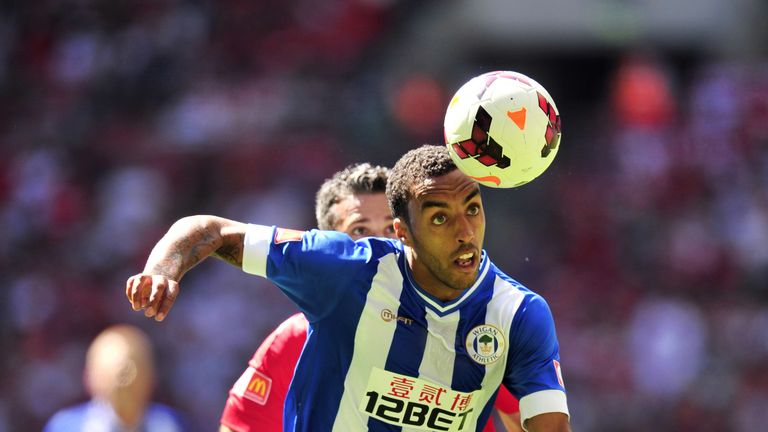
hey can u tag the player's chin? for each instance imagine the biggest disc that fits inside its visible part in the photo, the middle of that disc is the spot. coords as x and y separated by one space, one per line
463 279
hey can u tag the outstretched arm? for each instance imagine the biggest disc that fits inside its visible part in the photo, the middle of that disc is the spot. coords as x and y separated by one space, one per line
189 241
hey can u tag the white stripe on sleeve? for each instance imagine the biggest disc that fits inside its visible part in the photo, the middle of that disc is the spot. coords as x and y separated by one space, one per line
256 249
541 402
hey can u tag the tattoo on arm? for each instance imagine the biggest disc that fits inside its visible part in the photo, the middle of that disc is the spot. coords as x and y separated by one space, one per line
188 243
231 253
168 266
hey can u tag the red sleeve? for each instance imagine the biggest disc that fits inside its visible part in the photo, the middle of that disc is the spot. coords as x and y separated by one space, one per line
505 402
255 402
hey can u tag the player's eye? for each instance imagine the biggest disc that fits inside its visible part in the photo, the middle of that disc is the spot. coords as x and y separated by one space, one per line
439 219
473 210
389 230
358 231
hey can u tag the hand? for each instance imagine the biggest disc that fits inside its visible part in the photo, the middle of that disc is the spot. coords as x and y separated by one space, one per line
154 294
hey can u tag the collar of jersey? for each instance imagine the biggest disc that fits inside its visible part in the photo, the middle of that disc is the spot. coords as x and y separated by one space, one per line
440 307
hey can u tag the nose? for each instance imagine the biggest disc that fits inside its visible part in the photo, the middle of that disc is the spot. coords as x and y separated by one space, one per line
465 231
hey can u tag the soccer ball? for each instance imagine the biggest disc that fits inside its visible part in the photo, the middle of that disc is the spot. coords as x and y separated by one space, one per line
502 129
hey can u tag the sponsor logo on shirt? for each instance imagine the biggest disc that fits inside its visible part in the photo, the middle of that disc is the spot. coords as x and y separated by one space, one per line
418 404
485 344
253 385
387 315
283 235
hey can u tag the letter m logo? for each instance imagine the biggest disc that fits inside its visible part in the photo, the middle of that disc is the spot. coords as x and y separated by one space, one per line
258 387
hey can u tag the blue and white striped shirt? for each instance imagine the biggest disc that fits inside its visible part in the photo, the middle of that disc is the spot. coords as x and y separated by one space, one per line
382 354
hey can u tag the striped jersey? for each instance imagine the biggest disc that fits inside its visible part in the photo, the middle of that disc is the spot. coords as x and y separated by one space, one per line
382 354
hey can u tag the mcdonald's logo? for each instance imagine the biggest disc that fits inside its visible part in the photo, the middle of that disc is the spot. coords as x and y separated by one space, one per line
258 387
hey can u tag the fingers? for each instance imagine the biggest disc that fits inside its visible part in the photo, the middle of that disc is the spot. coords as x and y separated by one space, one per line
129 289
167 302
159 287
134 289
155 294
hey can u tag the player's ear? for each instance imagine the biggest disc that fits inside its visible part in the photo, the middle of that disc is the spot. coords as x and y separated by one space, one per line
401 231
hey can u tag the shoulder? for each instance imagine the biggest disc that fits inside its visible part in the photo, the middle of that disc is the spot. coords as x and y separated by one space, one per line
295 323
67 419
341 245
163 418
510 288
518 307
380 246
339 241
295 327
508 293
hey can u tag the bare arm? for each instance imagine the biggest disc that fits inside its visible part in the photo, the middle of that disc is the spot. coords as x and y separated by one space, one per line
511 421
192 239
548 422
188 242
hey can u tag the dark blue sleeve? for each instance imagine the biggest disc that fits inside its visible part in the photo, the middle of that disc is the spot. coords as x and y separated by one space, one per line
314 271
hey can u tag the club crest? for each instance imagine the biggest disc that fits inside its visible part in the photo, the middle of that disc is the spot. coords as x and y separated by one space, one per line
485 344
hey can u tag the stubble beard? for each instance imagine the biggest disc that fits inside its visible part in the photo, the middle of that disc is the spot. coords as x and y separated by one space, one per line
433 266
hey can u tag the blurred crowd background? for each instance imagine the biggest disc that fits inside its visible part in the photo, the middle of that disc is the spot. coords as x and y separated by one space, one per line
648 235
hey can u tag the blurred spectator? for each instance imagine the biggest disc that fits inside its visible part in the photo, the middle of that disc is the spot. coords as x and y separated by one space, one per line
120 377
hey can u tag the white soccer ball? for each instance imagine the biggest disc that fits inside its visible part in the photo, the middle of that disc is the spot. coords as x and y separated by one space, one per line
502 129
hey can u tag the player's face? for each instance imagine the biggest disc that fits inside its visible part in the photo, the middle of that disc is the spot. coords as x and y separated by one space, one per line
445 235
365 215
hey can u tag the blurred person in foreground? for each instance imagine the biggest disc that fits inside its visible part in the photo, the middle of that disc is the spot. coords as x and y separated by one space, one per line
120 377
352 201
415 334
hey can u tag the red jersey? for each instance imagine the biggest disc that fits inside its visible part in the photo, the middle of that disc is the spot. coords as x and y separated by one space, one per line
255 402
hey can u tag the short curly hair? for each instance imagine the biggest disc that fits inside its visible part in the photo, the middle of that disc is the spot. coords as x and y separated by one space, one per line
414 168
361 178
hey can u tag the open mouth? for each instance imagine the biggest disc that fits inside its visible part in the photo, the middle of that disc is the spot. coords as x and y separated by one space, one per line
466 260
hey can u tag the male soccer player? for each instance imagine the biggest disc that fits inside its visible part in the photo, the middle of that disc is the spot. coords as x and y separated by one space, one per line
352 201
119 375
415 334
